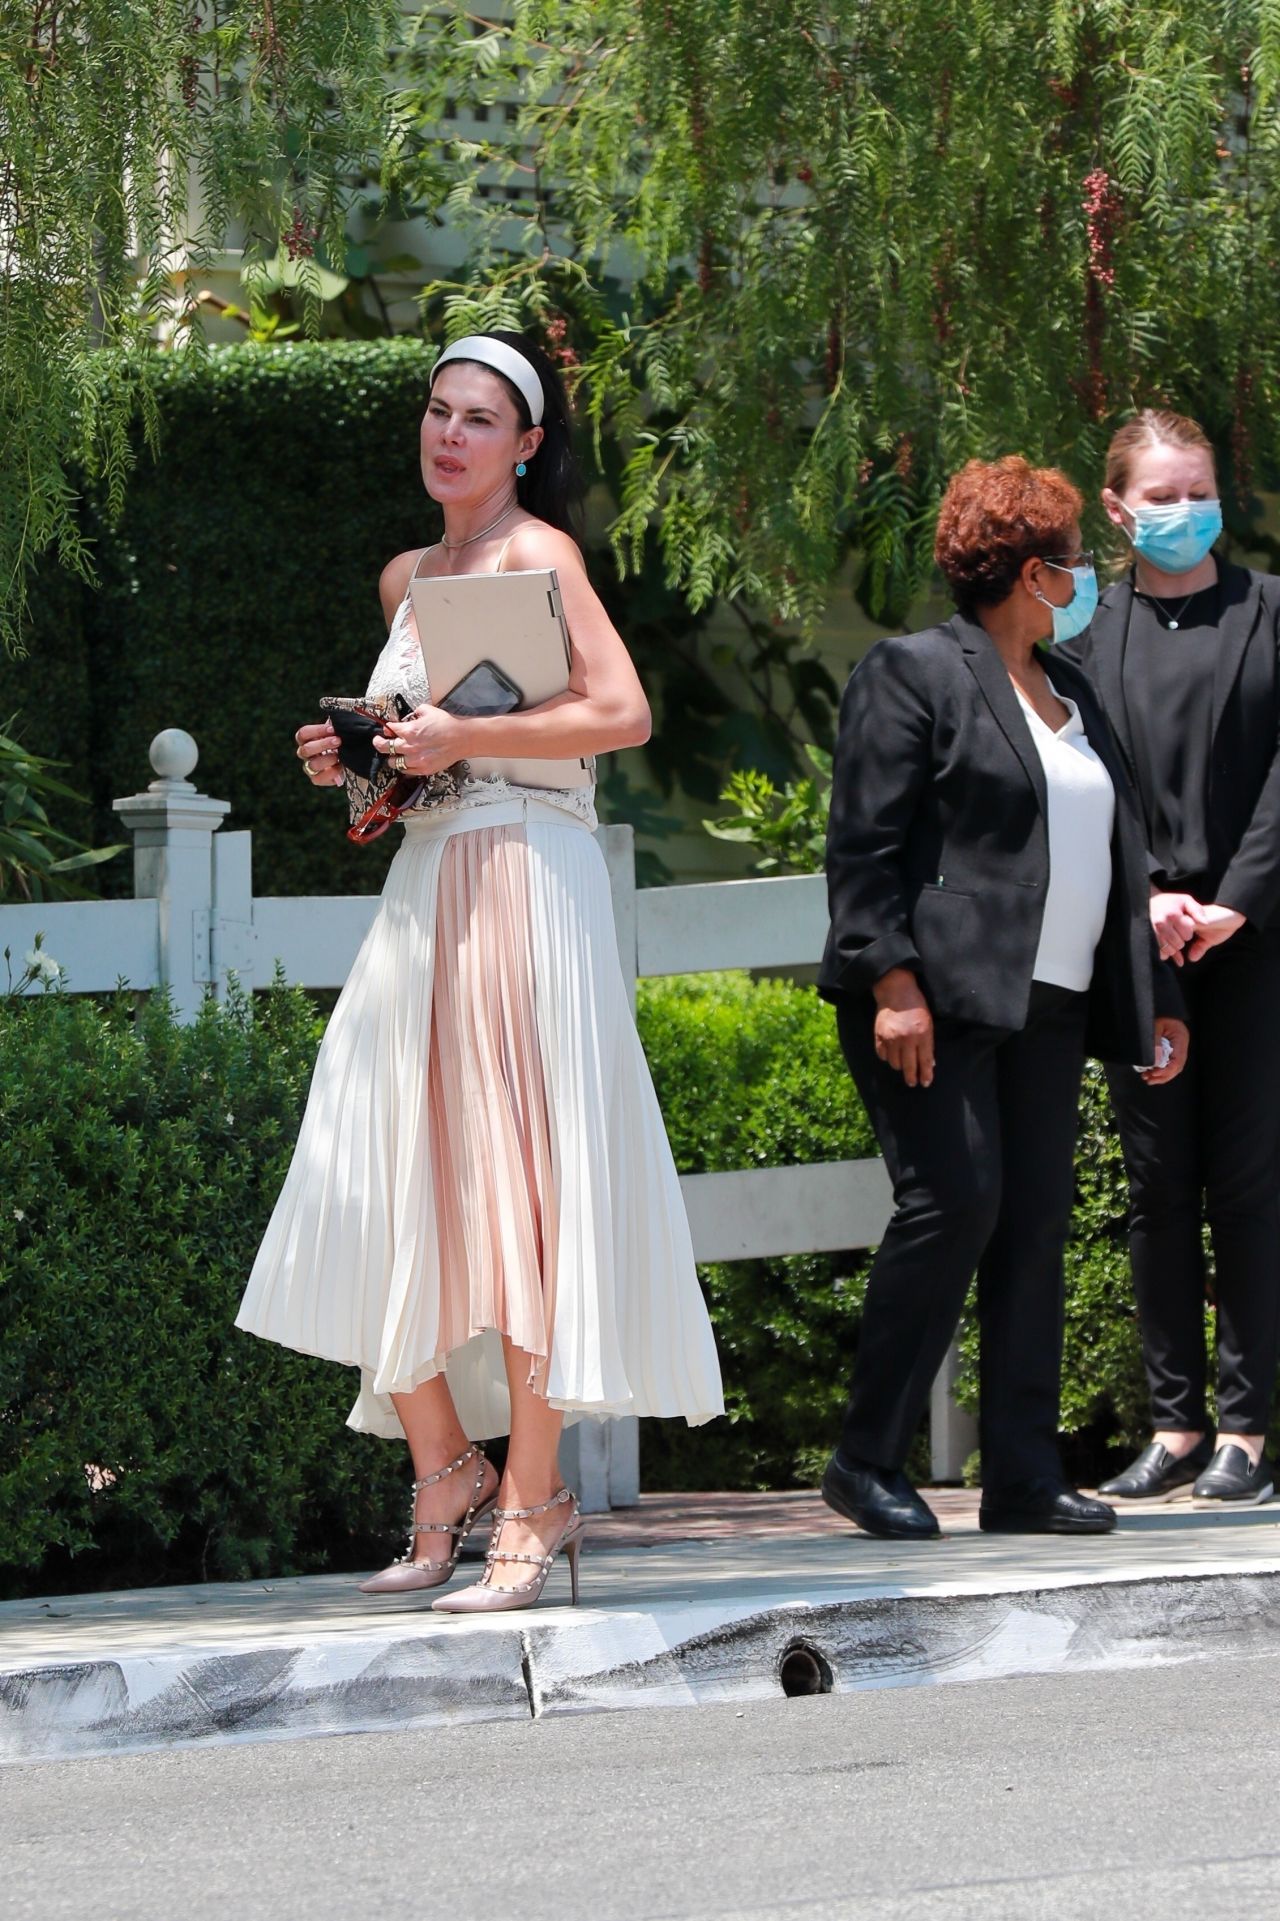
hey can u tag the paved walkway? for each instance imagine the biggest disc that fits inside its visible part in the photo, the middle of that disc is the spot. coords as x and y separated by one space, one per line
684 1598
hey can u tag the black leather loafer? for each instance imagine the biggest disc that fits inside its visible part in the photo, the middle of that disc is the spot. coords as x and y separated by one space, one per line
881 1500
1044 1507
1231 1481
1157 1475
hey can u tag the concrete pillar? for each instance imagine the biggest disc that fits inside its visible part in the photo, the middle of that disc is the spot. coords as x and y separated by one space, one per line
173 827
953 1432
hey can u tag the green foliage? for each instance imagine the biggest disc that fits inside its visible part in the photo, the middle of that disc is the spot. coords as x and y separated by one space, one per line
749 1075
817 256
788 828
141 1438
133 132
238 587
240 584
37 860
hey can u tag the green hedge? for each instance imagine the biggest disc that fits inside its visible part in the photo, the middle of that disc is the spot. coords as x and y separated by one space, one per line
239 587
142 1439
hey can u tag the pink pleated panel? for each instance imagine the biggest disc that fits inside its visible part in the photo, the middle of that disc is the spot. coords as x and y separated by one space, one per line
490 1140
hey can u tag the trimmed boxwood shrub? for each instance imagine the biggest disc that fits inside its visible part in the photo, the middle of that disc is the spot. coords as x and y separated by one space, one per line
749 1075
240 585
143 1440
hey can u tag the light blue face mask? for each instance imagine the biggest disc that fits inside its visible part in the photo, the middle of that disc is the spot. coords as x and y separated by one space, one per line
1072 619
1176 538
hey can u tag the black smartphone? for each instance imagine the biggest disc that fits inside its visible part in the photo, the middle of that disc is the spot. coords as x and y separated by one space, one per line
485 690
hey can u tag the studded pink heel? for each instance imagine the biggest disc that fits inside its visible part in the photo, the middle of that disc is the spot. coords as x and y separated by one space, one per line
483 1599
406 1575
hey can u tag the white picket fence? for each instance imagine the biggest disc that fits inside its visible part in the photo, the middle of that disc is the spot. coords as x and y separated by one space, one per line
195 920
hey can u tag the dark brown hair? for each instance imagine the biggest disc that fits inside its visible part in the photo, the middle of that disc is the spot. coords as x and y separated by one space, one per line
552 488
995 515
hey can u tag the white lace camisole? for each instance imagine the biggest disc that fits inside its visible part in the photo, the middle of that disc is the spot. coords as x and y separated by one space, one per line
400 669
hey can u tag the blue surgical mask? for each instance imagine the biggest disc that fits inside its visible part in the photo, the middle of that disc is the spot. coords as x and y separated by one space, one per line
1176 538
1072 619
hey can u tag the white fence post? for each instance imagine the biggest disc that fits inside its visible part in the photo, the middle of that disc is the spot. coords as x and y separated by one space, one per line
953 1432
173 827
233 946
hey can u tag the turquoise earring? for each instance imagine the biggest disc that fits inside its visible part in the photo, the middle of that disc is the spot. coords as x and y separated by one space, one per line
521 470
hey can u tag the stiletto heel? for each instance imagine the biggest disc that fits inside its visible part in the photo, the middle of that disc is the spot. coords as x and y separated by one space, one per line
407 1576
572 1549
484 1599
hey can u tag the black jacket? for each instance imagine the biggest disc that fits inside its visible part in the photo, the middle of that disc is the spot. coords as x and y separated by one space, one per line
1244 776
938 847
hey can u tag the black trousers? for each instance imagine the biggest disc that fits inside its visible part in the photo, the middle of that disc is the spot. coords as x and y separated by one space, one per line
982 1165
1211 1140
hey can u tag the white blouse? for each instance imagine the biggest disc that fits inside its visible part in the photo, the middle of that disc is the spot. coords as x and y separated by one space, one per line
1082 807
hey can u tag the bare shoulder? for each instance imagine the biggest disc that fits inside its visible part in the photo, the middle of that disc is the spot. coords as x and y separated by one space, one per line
534 545
393 584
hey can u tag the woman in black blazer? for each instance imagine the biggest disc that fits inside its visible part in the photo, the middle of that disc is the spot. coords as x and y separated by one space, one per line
971 972
1185 654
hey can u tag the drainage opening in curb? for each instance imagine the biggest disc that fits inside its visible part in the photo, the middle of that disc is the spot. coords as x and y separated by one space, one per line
804 1670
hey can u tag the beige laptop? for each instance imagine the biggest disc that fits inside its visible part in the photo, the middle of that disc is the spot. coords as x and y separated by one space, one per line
515 621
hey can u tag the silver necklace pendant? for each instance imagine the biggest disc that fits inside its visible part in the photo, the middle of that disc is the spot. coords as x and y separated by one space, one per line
1173 626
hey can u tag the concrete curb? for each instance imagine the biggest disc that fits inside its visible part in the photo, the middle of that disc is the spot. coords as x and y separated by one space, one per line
426 1672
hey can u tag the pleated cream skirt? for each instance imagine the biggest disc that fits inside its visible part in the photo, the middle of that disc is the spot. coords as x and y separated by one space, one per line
482 1152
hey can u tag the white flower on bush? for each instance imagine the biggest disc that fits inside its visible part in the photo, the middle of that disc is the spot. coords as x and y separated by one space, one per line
42 966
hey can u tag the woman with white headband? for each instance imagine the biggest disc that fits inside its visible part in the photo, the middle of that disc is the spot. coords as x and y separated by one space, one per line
482 1212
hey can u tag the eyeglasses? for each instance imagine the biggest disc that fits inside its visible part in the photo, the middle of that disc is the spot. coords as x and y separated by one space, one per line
1083 559
398 795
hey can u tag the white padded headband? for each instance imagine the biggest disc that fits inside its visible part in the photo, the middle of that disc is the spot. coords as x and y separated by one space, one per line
504 360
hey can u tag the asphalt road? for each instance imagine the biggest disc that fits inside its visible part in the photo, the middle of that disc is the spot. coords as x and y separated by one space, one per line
1139 1794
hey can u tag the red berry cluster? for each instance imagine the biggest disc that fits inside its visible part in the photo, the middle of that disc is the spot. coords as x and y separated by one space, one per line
1103 205
557 331
300 239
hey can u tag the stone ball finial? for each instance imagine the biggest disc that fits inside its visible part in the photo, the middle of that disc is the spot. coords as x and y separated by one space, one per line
174 754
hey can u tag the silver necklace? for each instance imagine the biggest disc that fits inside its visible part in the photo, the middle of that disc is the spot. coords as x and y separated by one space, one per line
1170 620
450 545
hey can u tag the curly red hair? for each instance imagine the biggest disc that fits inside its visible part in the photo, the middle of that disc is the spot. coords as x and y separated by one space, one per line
995 515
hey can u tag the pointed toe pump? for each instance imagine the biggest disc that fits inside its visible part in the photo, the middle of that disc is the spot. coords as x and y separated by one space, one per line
484 1599
407 1576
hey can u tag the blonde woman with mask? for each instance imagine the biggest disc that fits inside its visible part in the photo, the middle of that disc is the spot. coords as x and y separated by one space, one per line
1184 653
